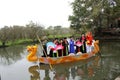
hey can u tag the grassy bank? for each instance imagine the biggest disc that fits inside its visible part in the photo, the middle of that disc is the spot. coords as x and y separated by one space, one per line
17 42
30 41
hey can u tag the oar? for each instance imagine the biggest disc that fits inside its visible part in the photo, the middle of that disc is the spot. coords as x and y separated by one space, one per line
44 51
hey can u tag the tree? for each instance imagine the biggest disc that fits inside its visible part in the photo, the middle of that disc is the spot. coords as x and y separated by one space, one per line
17 32
82 10
33 30
112 12
89 13
4 35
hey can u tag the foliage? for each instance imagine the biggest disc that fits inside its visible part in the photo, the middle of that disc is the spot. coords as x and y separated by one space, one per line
16 33
88 14
58 31
4 35
33 30
20 34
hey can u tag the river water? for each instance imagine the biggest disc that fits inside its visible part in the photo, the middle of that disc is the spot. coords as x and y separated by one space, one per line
14 65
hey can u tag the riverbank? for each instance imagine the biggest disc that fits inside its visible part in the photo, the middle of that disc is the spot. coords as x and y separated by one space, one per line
30 41
107 38
18 42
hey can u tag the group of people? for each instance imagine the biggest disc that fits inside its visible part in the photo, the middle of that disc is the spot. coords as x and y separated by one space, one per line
69 46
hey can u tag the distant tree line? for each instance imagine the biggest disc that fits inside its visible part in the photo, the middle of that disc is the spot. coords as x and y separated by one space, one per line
30 31
87 15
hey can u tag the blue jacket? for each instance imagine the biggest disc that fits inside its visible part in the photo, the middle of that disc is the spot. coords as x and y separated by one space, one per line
71 49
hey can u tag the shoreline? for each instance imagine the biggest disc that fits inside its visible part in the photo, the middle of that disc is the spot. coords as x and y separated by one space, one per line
111 38
105 38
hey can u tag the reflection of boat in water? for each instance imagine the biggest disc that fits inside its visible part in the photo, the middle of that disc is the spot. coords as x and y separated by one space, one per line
56 60
35 75
71 64
63 71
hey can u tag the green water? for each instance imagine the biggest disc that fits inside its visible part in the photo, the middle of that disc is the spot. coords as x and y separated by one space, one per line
14 65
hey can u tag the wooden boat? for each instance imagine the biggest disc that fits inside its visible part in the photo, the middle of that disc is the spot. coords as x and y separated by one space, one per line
57 60
94 59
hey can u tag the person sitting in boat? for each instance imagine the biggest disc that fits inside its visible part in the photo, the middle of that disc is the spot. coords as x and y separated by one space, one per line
65 45
71 46
89 42
78 44
83 46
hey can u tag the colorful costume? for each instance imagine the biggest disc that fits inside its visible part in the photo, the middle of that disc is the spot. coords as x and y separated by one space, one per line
89 41
83 47
78 45
65 45
71 48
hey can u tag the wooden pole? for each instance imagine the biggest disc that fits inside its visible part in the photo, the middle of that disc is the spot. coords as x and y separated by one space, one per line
44 50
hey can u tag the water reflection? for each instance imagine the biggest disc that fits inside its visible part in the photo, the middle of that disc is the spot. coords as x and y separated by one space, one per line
109 48
80 73
10 55
13 64
110 61
47 77
91 69
110 67
61 74
34 73
67 71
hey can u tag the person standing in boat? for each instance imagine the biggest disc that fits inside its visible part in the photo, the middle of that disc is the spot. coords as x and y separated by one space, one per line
60 50
50 47
89 41
56 42
54 53
71 46
65 45
83 40
78 44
